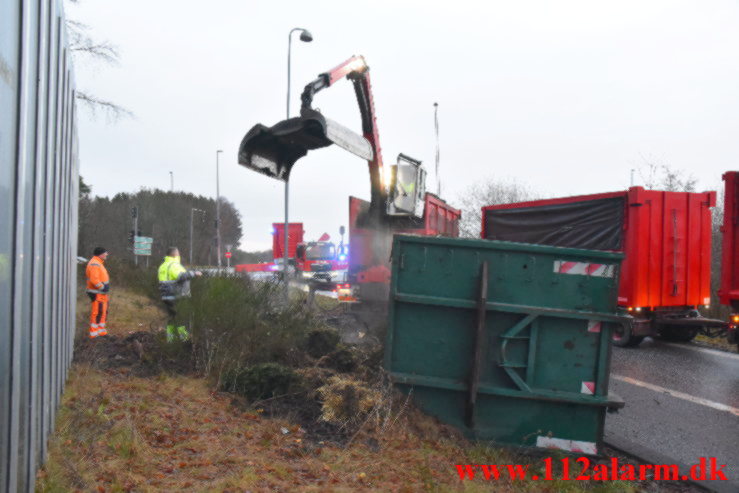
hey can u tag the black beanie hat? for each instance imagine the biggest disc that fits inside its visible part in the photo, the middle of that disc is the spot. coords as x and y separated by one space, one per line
99 251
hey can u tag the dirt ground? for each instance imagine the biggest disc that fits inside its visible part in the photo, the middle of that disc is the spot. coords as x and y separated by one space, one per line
133 420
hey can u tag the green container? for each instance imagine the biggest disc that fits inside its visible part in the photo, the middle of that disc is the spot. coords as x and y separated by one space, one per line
507 341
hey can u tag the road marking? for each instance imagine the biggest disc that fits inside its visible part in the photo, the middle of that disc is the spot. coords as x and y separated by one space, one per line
674 393
702 350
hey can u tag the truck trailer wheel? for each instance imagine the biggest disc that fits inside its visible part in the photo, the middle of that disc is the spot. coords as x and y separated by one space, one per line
623 336
676 333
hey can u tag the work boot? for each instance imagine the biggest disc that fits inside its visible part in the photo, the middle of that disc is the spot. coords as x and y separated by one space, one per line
97 330
170 333
183 333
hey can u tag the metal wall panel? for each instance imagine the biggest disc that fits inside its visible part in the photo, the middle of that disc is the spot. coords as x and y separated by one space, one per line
38 224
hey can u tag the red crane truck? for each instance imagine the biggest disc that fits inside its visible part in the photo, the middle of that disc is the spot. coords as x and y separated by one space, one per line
729 290
398 201
666 238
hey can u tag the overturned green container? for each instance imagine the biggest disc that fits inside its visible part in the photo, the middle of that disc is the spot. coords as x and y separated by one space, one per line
507 341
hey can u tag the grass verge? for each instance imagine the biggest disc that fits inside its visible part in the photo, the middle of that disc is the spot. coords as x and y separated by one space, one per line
330 427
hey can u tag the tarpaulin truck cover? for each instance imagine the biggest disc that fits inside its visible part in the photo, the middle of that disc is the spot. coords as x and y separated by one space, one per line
665 236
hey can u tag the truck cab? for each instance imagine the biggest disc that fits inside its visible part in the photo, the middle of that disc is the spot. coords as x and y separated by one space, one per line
316 261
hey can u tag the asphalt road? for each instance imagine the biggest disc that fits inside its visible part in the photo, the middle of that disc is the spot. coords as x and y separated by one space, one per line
682 403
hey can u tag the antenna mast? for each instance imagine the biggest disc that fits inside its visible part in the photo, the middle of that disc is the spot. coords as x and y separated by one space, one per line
436 128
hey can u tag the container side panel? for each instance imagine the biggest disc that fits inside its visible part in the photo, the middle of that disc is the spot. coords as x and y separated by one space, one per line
673 289
571 353
694 260
653 290
544 370
517 274
706 250
512 421
649 231
632 272
729 291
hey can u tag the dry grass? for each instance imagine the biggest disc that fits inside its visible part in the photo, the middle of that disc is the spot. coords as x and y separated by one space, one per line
118 432
127 312
716 342
173 433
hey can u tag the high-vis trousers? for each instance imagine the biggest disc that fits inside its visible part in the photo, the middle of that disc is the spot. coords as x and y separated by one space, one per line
174 331
98 314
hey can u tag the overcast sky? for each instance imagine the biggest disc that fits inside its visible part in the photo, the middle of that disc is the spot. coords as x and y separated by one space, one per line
565 96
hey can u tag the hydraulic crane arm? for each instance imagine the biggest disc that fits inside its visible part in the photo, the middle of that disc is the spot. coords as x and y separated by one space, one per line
327 79
274 150
356 70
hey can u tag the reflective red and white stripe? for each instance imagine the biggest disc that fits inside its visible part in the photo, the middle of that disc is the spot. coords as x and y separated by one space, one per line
587 388
583 268
594 326
576 446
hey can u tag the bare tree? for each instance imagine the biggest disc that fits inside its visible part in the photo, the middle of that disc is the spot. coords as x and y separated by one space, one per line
111 110
660 176
85 49
489 192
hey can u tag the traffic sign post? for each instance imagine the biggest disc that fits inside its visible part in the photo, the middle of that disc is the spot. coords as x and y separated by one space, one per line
228 259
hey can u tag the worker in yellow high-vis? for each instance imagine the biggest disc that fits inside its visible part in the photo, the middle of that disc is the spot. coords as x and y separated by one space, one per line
174 283
98 286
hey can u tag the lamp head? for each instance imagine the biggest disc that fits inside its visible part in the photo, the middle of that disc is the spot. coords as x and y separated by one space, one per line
306 36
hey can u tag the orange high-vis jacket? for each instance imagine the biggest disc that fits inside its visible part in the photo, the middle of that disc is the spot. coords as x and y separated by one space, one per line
97 276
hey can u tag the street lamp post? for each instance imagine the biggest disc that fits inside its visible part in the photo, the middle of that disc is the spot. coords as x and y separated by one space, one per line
171 181
218 210
306 37
192 213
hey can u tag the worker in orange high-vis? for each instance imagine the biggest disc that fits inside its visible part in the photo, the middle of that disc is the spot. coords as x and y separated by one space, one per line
98 286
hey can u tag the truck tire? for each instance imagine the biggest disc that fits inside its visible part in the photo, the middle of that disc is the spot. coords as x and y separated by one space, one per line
623 336
676 333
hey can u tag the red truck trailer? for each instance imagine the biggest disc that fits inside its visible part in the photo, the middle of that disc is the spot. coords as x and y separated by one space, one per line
729 290
295 236
369 251
666 238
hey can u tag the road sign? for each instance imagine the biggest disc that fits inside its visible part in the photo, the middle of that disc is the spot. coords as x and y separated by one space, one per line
228 254
142 245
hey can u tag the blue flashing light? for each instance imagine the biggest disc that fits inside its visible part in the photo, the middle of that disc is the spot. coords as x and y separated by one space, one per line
342 257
